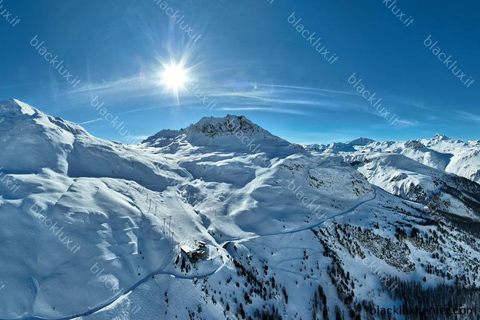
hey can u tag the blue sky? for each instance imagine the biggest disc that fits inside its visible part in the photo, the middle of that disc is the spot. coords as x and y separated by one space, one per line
251 61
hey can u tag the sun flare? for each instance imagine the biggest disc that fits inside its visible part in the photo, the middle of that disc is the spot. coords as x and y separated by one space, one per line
174 77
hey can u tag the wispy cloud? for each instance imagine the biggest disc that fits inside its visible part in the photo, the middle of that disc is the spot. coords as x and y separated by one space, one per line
468 116
264 109
107 87
90 121
120 90
307 89
306 138
400 124
253 97
280 99
406 123
294 97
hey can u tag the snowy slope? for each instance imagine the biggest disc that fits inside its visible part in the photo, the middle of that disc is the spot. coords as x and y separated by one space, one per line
439 152
465 161
91 229
414 170
411 180
231 133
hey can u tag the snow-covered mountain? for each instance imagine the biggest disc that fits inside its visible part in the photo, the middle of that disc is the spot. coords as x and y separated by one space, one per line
440 152
340 146
419 170
92 229
411 180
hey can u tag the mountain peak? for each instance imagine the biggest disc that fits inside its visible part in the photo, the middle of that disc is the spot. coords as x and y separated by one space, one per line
440 137
415 144
212 126
232 133
360 141
14 107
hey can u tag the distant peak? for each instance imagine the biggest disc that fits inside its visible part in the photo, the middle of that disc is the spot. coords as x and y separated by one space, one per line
415 144
14 107
360 142
440 137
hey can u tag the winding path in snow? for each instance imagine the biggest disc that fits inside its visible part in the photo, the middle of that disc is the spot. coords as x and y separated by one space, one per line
167 260
239 240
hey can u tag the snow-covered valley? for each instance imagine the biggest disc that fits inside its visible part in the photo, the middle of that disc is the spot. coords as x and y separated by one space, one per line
93 229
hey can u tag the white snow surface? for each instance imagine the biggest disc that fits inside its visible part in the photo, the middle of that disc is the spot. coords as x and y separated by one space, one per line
440 152
91 229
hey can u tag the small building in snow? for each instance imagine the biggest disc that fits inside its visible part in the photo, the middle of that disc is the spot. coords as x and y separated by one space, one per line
197 253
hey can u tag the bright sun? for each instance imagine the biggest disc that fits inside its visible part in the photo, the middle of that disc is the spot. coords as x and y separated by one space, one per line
174 77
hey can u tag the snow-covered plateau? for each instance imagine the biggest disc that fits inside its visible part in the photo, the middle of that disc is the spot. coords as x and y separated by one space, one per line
224 220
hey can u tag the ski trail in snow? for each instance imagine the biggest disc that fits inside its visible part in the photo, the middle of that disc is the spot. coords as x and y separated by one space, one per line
167 260
239 240
164 264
